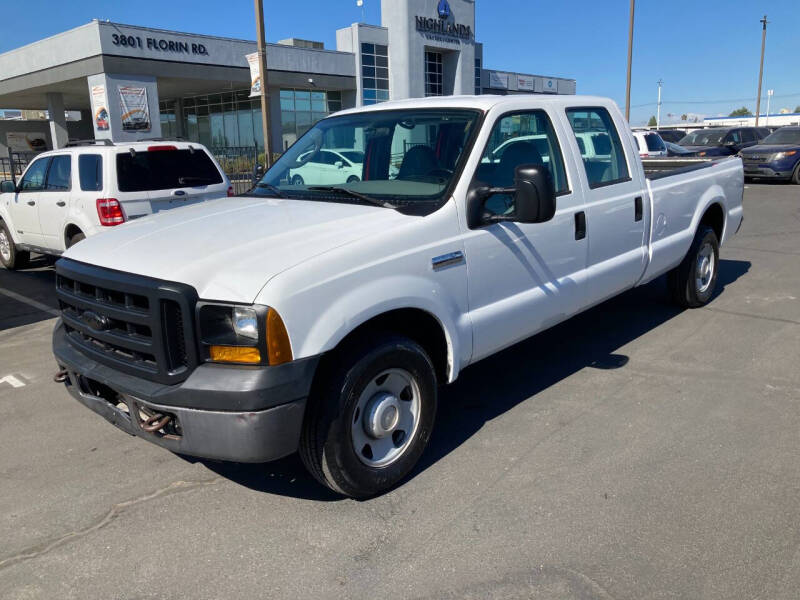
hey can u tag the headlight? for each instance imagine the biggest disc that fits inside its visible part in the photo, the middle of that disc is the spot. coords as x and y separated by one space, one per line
242 334
782 155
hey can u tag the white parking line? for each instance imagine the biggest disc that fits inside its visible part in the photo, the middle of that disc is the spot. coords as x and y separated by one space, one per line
12 381
31 302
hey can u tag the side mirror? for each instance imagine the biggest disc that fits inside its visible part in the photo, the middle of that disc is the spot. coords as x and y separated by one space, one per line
7 187
339 164
534 198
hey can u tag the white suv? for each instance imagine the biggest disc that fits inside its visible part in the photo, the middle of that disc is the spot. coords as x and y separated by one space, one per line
69 194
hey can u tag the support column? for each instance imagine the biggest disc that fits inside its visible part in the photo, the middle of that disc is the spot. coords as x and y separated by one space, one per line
58 120
180 130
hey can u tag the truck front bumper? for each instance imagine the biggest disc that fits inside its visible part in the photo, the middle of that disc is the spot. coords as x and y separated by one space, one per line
242 414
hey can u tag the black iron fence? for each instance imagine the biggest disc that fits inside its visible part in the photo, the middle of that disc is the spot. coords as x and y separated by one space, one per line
13 165
242 164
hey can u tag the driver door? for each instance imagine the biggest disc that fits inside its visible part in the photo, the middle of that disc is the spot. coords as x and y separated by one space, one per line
24 207
524 277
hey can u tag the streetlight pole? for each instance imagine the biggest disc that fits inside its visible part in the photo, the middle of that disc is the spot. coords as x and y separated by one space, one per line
761 68
769 97
262 65
658 111
630 58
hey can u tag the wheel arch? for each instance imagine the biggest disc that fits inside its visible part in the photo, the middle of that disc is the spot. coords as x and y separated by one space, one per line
70 230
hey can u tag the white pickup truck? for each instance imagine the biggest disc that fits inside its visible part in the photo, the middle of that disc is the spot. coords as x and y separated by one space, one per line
323 318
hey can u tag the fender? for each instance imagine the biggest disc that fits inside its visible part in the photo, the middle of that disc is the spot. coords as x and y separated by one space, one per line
5 216
357 306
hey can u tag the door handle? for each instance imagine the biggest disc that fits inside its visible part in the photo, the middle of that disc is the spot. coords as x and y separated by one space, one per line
580 225
638 210
61 203
31 203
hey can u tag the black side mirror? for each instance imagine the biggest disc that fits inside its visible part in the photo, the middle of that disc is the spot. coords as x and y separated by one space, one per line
534 198
7 187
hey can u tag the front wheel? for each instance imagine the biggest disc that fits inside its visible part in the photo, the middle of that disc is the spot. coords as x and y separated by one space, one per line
796 174
297 180
353 179
10 256
370 420
692 282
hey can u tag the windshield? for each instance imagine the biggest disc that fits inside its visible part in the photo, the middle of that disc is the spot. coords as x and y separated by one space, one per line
400 157
704 137
783 136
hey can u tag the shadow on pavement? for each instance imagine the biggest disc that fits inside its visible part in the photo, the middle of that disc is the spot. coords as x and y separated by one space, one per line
495 385
36 283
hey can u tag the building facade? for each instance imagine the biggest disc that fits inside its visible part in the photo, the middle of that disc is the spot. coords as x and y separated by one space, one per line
131 82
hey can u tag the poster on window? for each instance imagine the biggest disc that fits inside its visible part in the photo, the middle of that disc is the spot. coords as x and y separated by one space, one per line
524 83
134 108
255 74
498 80
18 141
100 108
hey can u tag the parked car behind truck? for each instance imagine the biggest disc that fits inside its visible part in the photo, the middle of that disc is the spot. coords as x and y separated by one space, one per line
324 319
67 195
775 157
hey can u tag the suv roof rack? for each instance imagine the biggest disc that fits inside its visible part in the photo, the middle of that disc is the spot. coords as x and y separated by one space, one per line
160 139
74 143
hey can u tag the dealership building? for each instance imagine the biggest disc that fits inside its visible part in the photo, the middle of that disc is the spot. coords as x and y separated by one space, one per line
128 82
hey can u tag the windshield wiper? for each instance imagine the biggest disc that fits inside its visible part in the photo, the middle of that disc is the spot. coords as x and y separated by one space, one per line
352 194
274 189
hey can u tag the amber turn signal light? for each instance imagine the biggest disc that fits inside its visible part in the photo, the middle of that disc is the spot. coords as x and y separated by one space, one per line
235 354
279 349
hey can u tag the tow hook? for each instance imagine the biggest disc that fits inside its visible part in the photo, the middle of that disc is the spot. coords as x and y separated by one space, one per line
60 376
156 422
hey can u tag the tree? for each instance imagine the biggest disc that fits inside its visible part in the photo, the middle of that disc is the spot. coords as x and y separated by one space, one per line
797 109
652 122
684 117
741 112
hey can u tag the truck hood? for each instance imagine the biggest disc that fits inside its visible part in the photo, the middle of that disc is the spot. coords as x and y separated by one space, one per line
228 249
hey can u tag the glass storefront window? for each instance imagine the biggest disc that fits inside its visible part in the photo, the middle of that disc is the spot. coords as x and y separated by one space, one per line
374 73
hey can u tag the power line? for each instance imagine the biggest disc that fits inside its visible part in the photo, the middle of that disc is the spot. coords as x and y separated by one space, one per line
712 101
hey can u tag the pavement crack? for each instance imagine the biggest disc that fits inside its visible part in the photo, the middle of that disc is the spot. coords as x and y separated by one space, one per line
115 511
752 316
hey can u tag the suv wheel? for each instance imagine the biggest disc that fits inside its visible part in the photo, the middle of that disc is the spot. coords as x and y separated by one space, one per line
370 420
693 281
796 174
9 255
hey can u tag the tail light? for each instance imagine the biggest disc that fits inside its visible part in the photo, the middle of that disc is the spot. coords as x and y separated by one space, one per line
161 148
110 212
230 191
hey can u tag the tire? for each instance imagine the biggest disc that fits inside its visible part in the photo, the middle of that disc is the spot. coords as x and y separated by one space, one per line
692 283
353 179
297 180
388 377
10 256
796 174
75 239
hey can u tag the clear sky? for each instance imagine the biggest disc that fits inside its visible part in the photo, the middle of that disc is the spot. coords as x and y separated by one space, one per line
706 51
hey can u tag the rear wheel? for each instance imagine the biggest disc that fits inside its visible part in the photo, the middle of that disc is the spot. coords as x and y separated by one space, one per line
75 239
371 418
353 179
692 283
297 180
10 256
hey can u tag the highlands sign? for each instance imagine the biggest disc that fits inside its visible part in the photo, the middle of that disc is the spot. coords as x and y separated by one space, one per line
443 25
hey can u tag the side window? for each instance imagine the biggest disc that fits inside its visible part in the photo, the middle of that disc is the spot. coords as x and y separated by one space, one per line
33 179
608 164
520 139
327 158
59 175
748 135
90 172
734 136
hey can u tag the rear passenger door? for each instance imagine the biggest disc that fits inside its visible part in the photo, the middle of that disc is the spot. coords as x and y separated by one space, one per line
55 200
615 205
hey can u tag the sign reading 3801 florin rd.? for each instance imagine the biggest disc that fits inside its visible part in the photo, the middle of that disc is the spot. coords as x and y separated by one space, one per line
158 44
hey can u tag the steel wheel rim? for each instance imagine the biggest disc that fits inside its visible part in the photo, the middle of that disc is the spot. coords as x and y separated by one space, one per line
386 418
5 246
704 271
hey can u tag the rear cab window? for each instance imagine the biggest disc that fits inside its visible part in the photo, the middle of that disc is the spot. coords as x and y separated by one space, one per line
654 142
608 165
151 170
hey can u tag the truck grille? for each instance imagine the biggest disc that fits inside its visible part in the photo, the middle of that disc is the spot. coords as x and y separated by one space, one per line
137 325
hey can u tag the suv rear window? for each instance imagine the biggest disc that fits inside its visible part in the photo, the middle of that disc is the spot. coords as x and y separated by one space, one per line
654 143
165 169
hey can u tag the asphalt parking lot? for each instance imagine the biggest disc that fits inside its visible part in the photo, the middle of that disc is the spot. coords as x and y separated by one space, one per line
636 451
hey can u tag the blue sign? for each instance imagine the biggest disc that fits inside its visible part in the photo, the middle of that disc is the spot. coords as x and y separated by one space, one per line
444 9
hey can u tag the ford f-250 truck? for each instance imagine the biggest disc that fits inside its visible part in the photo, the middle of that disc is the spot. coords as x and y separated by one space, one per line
322 317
